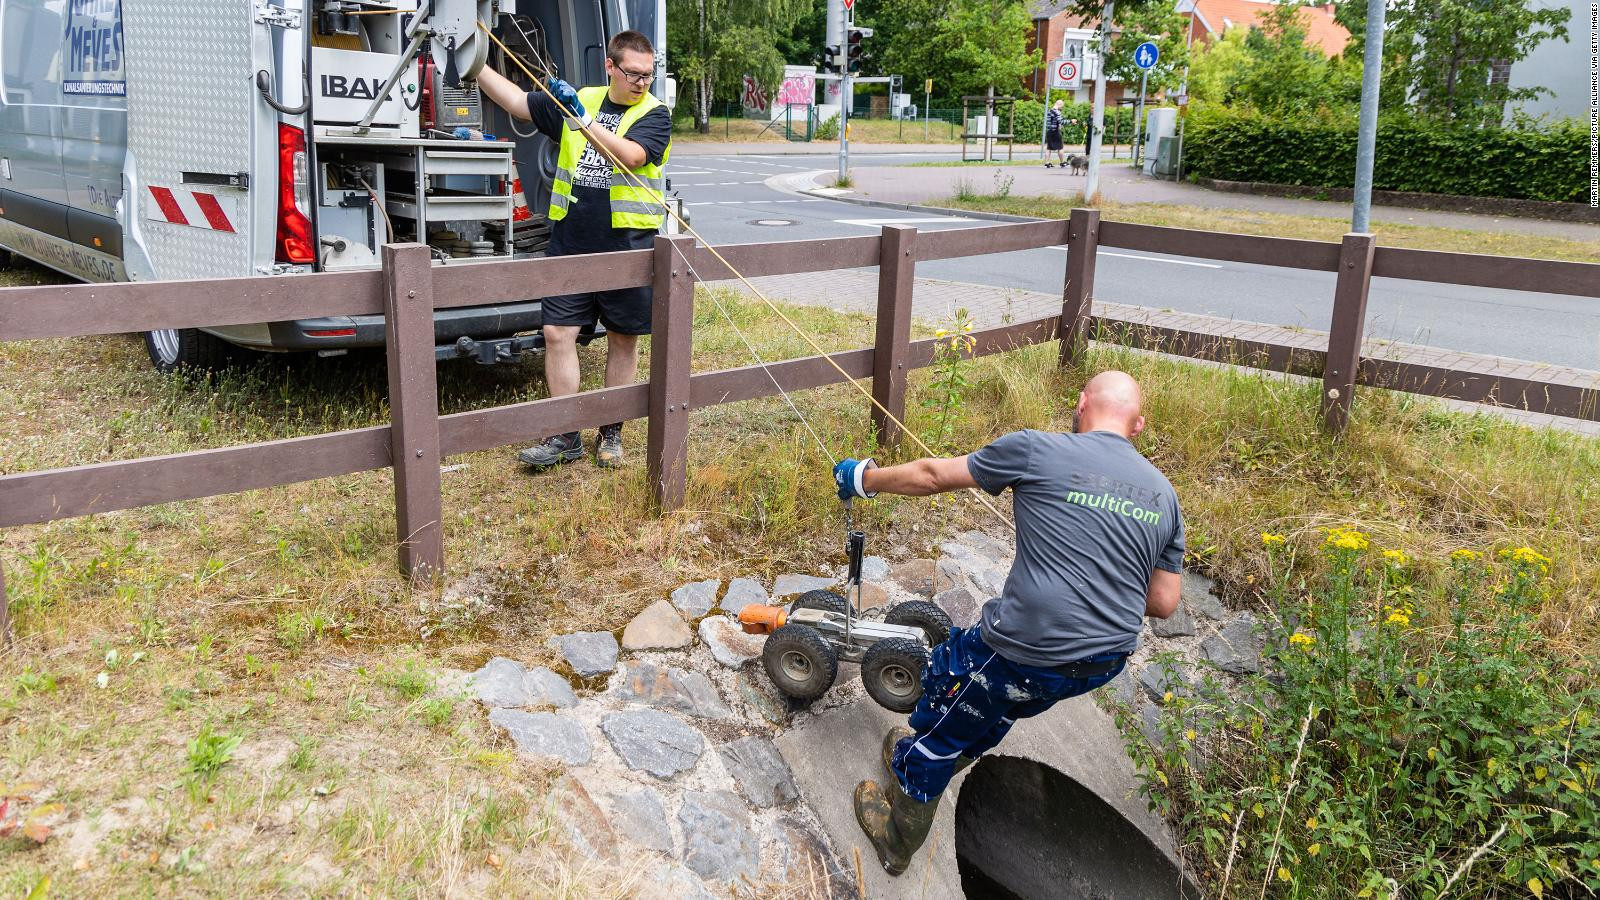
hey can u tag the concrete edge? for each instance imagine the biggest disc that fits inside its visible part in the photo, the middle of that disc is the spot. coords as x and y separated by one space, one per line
805 183
1543 210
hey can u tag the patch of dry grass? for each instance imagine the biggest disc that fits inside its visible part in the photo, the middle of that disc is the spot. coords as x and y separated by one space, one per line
1246 221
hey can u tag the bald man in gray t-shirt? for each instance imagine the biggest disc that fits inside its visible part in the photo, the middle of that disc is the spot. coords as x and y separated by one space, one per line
1099 547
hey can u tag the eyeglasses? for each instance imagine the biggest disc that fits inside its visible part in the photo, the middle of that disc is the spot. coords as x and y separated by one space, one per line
635 77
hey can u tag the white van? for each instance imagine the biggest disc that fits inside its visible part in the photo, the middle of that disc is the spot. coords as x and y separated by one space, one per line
177 139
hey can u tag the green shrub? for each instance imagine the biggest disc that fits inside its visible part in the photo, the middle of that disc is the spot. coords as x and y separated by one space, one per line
1412 155
1030 121
1415 733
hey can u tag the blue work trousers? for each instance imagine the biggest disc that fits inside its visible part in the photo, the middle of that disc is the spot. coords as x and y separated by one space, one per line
971 696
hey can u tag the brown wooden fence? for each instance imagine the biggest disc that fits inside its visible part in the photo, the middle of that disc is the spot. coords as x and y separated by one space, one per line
408 288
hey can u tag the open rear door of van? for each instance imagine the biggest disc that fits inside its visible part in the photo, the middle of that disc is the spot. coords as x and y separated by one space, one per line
201 143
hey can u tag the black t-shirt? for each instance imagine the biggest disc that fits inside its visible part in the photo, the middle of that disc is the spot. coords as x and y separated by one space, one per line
587 227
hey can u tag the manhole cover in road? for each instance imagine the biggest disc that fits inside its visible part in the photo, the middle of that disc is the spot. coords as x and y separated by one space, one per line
773 223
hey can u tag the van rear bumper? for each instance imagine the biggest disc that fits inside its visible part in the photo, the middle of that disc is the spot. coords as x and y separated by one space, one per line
333 332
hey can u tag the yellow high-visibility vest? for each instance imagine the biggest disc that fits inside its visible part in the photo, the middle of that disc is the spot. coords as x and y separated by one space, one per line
635 201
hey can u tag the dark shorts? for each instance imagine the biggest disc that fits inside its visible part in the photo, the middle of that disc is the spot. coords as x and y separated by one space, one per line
1052 140
624 311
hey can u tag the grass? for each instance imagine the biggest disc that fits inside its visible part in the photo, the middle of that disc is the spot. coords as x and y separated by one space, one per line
1245 221
276 615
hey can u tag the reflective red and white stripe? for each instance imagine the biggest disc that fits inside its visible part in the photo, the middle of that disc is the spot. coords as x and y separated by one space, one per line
196 209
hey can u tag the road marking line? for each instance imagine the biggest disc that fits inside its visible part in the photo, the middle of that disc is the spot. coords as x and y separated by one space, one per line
1176 262
873 223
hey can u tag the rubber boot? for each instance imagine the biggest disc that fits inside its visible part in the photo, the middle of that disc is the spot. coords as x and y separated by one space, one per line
894 823
900 733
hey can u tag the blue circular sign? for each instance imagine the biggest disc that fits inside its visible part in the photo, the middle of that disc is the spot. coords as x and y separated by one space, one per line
1146 54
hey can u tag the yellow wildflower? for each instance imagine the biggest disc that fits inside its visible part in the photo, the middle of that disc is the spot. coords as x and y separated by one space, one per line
1311 823
1398 557
1464 555
1398 618
1314 849
1301 639
1283 874
1269 539
1347 539
1528 556
941 333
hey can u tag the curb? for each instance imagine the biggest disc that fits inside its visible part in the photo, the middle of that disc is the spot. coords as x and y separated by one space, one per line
902 207
933 210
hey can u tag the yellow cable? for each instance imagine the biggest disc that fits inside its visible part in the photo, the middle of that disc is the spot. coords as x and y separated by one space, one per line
639 182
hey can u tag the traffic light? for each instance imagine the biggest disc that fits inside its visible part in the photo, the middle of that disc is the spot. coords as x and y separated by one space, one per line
853 48
830 58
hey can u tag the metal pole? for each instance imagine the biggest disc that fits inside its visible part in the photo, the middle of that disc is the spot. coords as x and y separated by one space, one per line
1367 136
844 93
1188 45
927 108
1138 119
1091 185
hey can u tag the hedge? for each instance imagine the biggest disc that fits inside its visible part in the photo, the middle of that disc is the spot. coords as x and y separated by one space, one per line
1030 121
1523 164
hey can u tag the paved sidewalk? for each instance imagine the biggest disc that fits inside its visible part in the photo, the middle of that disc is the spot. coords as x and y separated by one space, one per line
935 301
934 185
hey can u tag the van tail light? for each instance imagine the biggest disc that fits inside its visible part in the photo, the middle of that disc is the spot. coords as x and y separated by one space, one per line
295 242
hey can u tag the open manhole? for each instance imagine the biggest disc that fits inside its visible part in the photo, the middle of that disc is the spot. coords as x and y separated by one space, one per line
1025 830
773 223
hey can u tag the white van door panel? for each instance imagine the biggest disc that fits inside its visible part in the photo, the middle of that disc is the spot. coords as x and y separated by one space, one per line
194 121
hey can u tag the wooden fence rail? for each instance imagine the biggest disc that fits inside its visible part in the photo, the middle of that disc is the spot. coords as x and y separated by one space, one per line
408 288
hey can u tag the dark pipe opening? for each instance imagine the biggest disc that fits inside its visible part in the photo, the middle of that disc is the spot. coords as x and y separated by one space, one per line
1025 830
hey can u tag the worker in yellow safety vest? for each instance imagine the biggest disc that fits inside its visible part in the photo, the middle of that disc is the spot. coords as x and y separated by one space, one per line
596 208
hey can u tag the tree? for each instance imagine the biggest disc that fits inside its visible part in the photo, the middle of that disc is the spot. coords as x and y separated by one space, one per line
1444 57
713 44
1271 68
1282 73
990 39
1155 22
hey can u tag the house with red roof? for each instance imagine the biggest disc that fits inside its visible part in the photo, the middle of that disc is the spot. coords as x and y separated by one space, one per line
1060 32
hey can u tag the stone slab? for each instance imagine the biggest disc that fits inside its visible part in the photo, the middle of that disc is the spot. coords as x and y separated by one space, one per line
799 584
696 598
659 627
759 770
652 741
666 687
545 734
741 593
589 653
728 643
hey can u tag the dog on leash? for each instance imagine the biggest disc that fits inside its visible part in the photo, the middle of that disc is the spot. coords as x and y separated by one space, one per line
1078 165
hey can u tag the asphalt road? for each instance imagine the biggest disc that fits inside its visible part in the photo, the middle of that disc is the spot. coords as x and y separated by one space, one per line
731 201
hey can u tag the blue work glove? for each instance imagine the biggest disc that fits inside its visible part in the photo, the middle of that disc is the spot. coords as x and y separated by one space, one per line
847 475
567 96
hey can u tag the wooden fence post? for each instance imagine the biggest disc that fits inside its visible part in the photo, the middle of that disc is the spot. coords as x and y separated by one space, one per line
1083 238
671 349
413 408
891 350
1347 329
5 610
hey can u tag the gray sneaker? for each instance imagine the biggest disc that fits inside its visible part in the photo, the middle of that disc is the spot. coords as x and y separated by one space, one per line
608 449
553 451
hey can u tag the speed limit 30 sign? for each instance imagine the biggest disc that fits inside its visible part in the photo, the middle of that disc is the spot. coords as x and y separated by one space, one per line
1065 73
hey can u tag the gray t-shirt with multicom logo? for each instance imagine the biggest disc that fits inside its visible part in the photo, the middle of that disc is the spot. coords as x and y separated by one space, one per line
1094 520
